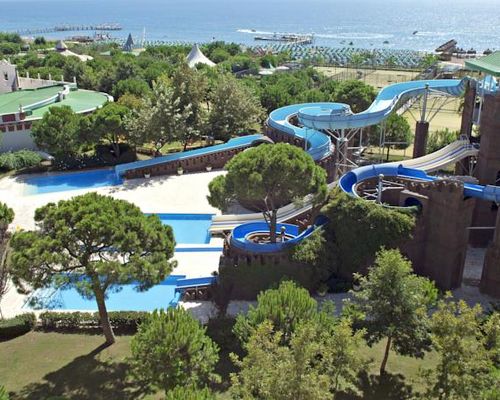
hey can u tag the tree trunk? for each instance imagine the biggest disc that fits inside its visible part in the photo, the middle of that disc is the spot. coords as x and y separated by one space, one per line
388 149
272 226
116 149
386 355
185 146
103 314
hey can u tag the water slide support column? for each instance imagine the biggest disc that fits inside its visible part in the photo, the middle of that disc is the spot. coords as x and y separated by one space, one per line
464 167
421 128
490 278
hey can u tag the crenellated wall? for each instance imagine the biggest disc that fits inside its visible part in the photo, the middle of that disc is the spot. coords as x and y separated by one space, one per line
439 243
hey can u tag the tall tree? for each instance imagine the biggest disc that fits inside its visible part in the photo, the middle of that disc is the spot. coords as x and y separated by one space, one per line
234 108
57 131
285 307
161 119
171 349
191 88
269 176
316 364
107 125
356 94
397 133
93 243
395 303
464 369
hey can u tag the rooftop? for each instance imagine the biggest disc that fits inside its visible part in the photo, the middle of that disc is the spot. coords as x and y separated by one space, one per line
489 64
79 100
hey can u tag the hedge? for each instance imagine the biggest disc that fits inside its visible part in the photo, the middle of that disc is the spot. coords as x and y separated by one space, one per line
121 320
17 326
245 282
19 159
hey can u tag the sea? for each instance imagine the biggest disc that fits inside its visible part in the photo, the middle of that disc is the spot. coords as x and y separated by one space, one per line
397 24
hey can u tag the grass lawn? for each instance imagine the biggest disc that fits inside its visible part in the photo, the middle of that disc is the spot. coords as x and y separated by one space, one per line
39 366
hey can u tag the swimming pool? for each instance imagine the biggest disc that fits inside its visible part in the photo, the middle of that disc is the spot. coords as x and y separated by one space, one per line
126 298
50 183
189 228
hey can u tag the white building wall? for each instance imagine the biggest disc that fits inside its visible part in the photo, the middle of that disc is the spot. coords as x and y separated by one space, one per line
8 77
17 140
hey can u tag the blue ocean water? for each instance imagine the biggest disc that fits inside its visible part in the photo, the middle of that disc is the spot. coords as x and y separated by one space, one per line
367 23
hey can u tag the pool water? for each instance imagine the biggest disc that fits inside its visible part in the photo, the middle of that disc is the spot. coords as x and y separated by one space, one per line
71 181
189 228
126 298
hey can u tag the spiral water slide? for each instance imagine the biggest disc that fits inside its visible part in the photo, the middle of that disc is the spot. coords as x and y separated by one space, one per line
315 117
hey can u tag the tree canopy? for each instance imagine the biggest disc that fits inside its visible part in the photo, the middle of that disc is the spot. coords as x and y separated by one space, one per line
467 350
370 227
397 133
295 349
171 349
93 243
441 138
107 125
235 109
395 303
268 177
58 131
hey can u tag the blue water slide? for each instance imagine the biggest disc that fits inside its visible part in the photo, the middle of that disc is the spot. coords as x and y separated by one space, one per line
349 181
235 143
318 145
240 236
340 116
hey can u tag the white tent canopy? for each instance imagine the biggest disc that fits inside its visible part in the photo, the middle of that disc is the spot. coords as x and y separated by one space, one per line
195 56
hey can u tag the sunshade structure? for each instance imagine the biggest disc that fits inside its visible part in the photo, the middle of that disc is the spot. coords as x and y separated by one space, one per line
489 64
195 57
129 44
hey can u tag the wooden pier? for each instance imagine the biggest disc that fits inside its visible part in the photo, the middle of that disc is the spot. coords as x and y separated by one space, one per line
71 28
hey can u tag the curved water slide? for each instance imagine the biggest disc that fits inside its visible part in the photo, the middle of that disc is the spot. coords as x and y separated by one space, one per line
336 116
349 182
317 116
448 155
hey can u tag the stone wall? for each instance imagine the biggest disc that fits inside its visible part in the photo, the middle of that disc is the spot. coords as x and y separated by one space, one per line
490 279
193 164
439 243
488 168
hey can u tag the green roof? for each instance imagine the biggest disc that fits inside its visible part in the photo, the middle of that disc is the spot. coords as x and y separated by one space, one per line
9 102
489 64
79 100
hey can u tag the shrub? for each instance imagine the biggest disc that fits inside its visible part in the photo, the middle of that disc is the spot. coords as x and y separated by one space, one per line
189 393
19 159
3 394
17 326
171 349
120 320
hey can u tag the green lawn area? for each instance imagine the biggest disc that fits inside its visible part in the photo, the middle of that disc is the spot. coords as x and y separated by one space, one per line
40 366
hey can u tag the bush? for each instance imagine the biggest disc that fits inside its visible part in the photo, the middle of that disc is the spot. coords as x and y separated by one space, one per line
17 326
245 282
19 159
120 320
188 393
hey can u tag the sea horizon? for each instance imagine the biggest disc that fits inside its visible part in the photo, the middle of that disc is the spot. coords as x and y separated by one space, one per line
394 24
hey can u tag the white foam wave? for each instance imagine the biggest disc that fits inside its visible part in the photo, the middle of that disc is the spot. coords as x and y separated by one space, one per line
334 36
